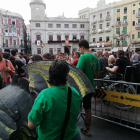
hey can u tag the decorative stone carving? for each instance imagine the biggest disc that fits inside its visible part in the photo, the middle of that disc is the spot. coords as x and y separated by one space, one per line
50 33
82 33
66 33
74 34
38 33
58 33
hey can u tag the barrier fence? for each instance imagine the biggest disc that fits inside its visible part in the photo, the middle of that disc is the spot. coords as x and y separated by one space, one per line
117 102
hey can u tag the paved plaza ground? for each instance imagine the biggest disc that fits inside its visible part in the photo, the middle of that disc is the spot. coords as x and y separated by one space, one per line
102 130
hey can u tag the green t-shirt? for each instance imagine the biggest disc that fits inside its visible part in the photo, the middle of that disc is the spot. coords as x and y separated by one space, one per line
49 111
90 65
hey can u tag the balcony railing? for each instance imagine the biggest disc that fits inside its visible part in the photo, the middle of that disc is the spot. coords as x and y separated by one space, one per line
138 15
108 18
117 45
135 41
101 20
100 30
124 23
49 42
94 31
116 36
10 34
137 26
108 29
63 41
10 26
94 21
13 46
118 24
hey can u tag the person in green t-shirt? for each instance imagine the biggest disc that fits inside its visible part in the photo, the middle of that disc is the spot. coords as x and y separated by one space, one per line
49 109
89 64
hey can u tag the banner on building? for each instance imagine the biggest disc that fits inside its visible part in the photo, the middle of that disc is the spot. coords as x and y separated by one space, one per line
66 42
103 44
38 43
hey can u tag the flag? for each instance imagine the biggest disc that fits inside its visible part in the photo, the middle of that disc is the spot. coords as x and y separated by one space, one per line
44 46
5 12
38 43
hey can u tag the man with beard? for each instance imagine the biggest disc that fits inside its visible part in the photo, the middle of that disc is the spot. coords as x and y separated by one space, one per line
6 70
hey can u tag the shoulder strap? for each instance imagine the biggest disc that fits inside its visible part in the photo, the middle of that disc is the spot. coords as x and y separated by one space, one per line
67 116
6 62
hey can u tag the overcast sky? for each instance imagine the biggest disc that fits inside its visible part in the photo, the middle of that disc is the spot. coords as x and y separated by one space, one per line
54 8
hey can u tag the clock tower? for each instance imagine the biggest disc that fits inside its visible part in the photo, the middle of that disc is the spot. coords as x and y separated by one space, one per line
37 9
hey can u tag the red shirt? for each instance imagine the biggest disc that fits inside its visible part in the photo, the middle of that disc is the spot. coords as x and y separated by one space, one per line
3 73
75 62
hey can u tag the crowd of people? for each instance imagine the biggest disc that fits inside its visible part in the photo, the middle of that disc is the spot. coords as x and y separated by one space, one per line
53 100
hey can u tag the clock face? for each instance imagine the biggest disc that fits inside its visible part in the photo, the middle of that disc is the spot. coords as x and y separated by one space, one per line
37 9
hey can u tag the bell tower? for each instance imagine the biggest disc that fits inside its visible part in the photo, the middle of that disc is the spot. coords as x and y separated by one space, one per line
37 9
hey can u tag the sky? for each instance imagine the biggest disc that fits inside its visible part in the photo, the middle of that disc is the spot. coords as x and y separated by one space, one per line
54 8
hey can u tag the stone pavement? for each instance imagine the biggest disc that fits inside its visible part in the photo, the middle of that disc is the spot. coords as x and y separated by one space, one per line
102 130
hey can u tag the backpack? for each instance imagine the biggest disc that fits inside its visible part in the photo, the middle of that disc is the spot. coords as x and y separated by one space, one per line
2 85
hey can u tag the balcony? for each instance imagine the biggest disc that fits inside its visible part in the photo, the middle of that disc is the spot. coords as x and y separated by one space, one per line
117 45
11 26
108 29
93 44
49 42
101 20
100 30
108 18
13 47
137 26
138 15
10 34
36 42
135 41
94 31
118 24
72 41
63 41
94 21
124 23
116 36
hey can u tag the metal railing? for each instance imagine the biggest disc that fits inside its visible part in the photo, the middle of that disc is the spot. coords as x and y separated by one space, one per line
101 20
108 29
108 18
118 24
125 22
117 102
94 31
137 26
100 30
138 15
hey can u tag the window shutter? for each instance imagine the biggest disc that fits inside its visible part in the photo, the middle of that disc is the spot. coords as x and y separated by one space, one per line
125 17
125 8
118 10
125 30
138 34
133 36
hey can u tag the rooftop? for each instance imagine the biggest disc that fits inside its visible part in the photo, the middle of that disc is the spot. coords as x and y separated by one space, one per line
9 13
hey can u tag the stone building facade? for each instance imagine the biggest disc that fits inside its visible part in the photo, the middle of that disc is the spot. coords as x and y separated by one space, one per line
57 34
12 31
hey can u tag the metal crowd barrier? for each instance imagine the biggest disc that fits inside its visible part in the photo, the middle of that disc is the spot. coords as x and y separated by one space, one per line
117 102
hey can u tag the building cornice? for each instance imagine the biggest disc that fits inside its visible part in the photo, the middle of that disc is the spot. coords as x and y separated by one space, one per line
101 10
57 20
38 3
124 4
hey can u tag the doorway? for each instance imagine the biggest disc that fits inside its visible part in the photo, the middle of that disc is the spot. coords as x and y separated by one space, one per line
67 49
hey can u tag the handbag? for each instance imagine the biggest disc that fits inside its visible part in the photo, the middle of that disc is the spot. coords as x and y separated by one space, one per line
67 116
